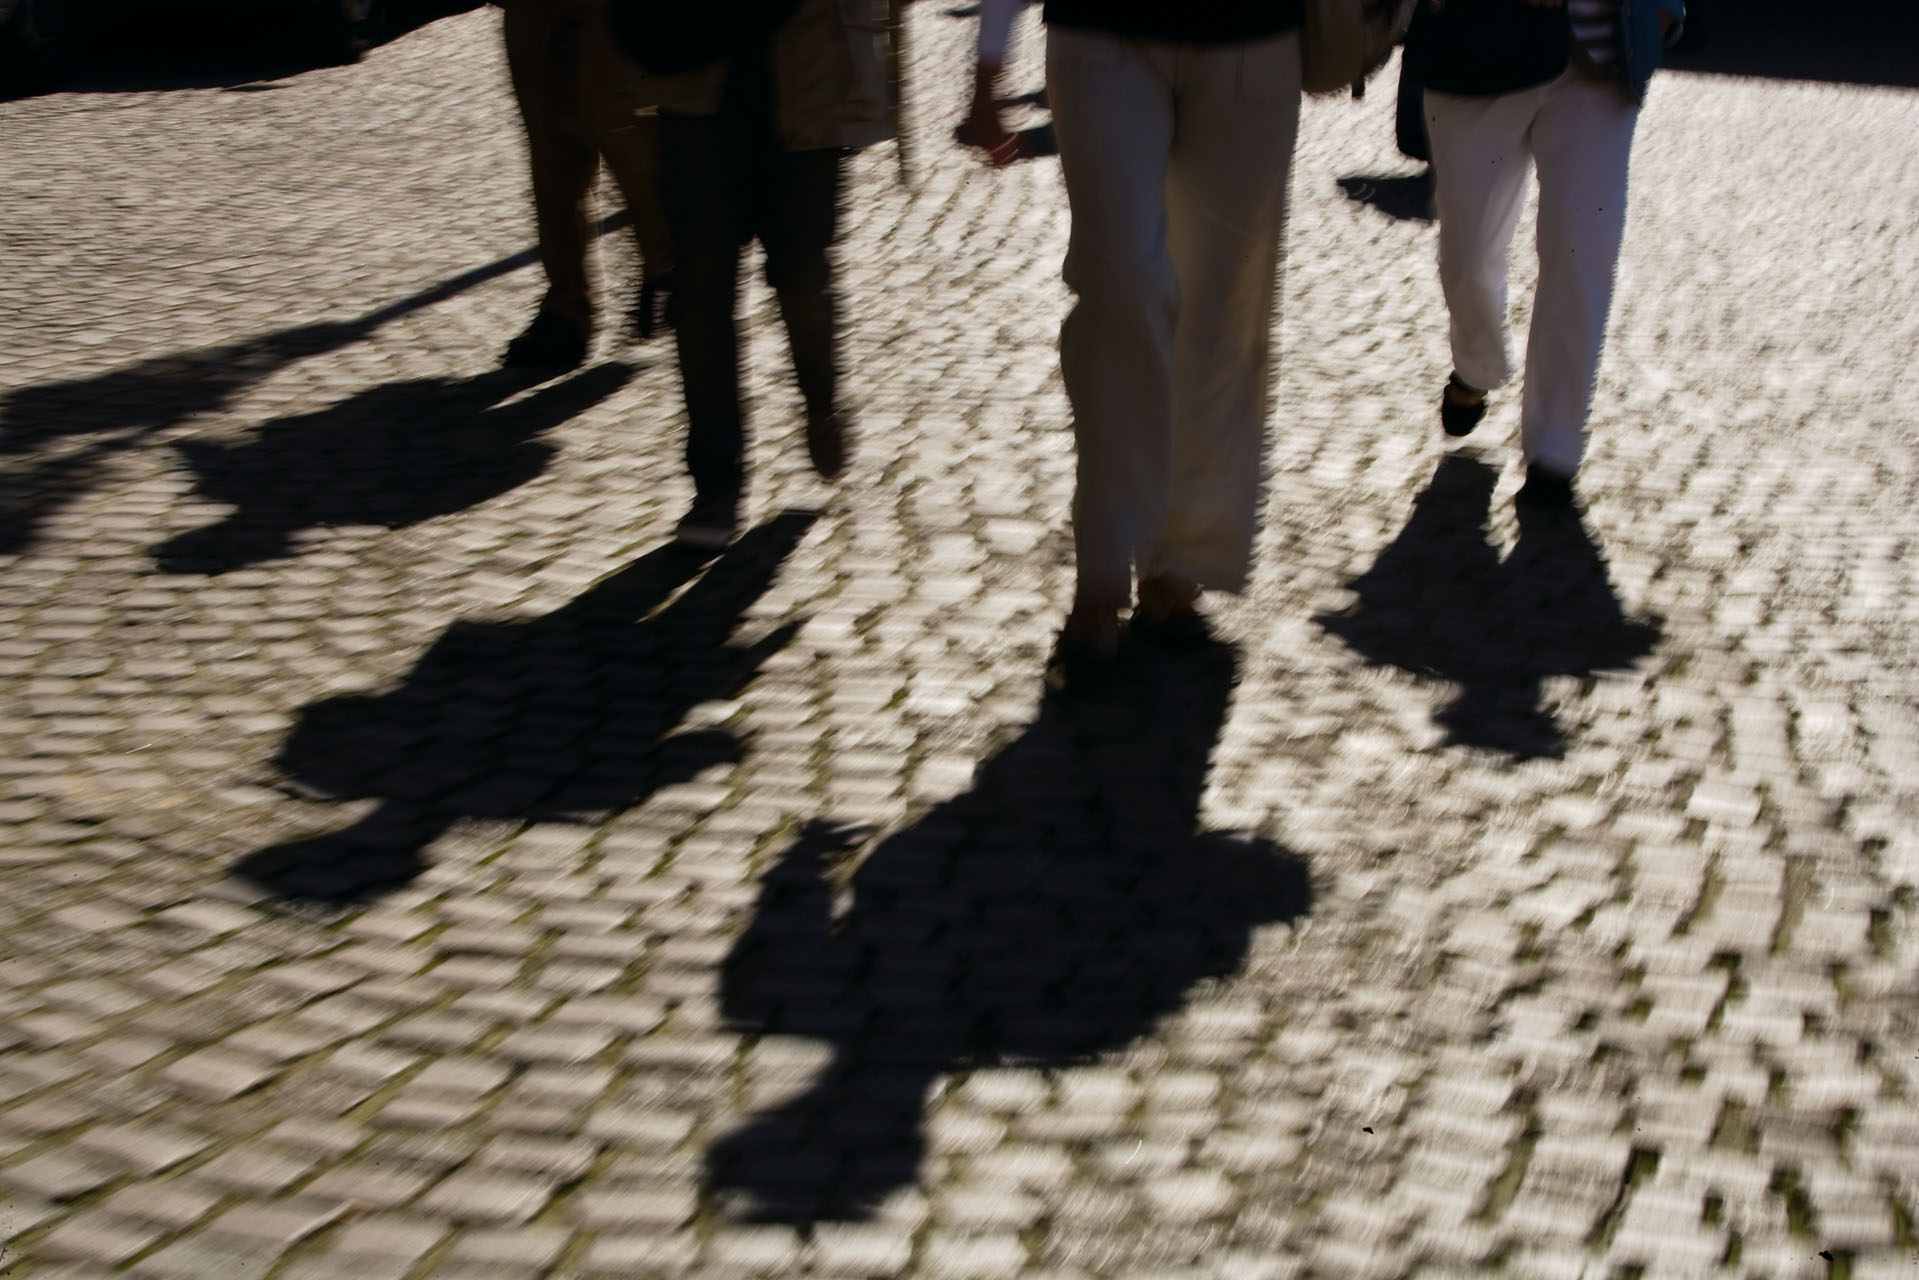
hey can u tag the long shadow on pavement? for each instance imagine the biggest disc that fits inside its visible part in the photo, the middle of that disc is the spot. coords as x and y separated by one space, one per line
1441 602
42 467
570 717
1874 42
133 46
1403 197
1057 910
393 456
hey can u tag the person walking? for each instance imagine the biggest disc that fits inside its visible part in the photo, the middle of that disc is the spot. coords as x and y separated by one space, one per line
1514 86
1175 126
580 101
753 145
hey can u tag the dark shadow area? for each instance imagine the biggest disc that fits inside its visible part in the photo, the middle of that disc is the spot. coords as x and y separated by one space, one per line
123 46
55 436
1056 911
392 456
1440 602
1407 197
566 718
1865 42
1037 143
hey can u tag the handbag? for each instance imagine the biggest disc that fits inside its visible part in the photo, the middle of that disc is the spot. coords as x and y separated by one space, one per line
1344 41
1487 46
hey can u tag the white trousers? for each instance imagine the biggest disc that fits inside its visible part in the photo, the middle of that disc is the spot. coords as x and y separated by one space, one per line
1176 160
1577 130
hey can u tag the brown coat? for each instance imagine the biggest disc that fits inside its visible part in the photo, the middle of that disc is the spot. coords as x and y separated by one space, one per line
829 78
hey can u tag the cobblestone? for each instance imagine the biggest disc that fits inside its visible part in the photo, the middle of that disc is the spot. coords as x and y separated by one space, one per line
1530 910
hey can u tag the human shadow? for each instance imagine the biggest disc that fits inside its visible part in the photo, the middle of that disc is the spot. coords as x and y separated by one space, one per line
1057 910
1037 142
128 47
570 717
392 456
1441 602
1876 44
1405 197
55 436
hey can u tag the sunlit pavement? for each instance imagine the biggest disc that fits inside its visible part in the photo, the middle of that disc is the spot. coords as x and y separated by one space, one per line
411 869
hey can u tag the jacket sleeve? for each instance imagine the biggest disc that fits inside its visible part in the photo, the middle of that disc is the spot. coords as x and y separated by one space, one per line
1677 8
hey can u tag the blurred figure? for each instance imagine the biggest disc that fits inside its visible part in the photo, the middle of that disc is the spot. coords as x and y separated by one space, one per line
1175 127
753 142
580 100
983 127
1510 85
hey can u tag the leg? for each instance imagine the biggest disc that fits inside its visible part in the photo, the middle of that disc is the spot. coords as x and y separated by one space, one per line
1226 194
797 229
543 57
704 197
627 134
1113 114
1480 160
1582 144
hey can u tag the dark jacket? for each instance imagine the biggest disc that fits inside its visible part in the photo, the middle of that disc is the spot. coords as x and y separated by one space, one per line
1180 21
1502 46
829 78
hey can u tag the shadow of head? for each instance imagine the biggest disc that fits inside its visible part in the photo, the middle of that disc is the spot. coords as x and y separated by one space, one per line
570 717
1056 911
391 456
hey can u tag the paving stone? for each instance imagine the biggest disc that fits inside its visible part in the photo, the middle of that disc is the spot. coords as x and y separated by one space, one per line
475 1195
218 1074
62 1174
100 1237
146 1148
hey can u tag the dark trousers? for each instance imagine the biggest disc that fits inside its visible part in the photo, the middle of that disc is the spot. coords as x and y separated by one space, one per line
725 183
580 101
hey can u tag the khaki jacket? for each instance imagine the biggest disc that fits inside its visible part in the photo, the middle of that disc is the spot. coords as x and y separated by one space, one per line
830 85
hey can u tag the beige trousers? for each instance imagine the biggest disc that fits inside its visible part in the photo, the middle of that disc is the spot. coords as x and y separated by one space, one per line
1176 159
1577 131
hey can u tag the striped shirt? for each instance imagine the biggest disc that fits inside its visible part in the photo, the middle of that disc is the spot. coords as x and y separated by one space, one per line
1595 25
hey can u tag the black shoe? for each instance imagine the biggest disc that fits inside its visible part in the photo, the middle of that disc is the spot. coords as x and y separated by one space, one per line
551 344
1459 417
1084 658
1545 490
1165 616
710 524
1182 631
826 441
654 313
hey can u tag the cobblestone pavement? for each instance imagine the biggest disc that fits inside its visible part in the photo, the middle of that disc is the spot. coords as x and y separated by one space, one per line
414 870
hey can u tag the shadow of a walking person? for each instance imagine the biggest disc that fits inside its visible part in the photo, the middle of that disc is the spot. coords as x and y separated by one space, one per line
571 717
56 437
1441 602
1056 911
393 456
